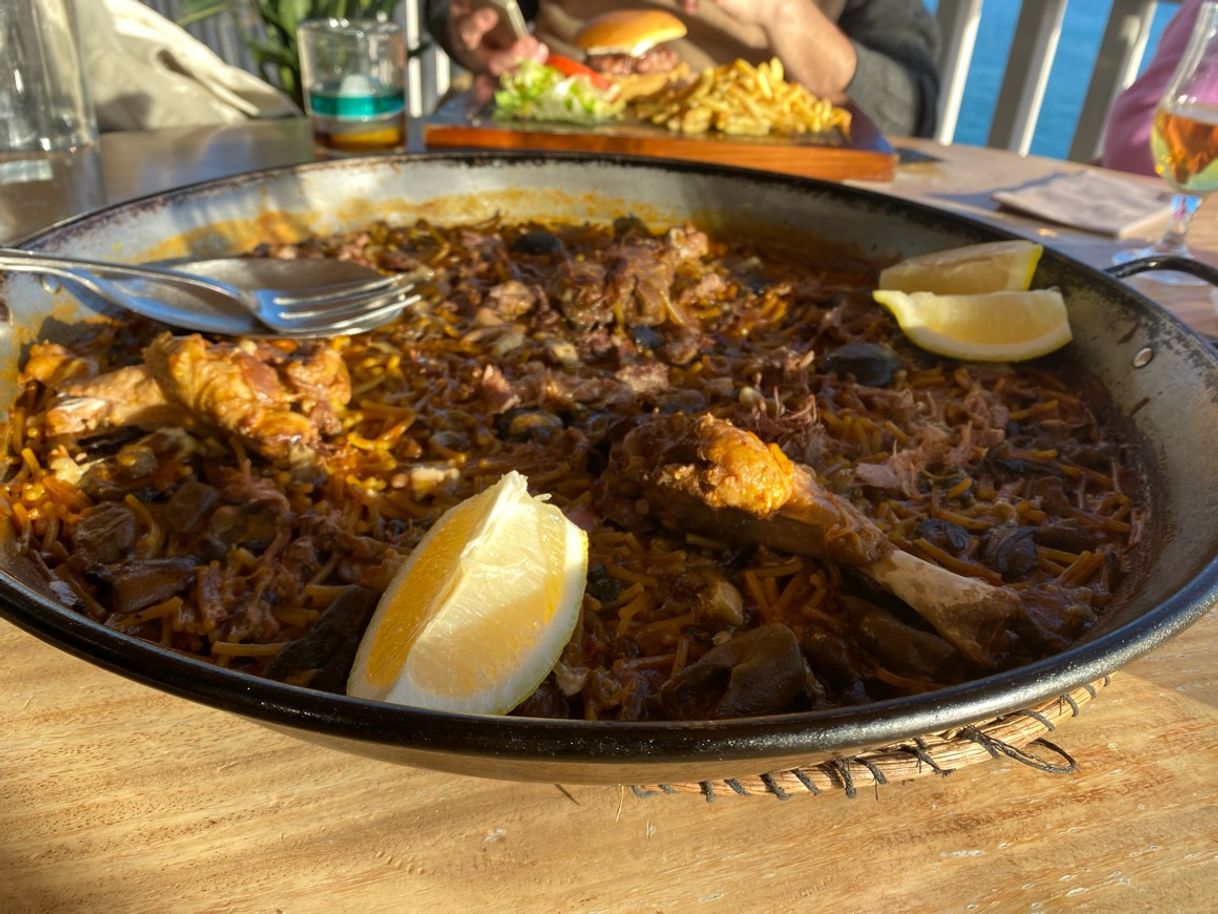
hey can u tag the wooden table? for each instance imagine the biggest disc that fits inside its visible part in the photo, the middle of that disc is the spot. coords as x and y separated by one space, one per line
115 797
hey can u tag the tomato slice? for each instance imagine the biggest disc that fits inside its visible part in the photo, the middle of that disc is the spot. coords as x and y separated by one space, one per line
568 67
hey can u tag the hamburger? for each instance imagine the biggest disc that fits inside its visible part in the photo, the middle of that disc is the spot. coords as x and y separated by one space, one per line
628 47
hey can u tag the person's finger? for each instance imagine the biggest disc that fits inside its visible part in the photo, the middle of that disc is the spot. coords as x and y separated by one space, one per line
689 6
528 48
474 27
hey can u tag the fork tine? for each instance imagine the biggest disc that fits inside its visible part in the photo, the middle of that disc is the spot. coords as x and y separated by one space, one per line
359 324
373 312
325 310
337 314
362 325
342 291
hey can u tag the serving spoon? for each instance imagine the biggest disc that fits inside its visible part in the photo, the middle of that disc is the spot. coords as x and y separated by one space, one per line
235 296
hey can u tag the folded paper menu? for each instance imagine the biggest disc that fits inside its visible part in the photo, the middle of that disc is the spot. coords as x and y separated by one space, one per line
1090 201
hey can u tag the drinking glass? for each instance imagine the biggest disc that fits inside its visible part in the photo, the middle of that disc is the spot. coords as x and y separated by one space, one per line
49 164
353 75
1184 141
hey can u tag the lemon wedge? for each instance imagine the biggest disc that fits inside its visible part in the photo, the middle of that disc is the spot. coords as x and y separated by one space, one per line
993 267
992 327
480 611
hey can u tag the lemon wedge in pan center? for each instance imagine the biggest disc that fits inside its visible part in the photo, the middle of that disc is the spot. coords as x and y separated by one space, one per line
480 611
991 327
992 267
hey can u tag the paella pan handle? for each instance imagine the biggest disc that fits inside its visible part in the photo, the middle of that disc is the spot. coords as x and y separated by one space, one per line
1165 262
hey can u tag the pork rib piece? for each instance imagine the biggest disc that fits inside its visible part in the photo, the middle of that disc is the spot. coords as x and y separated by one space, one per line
700 473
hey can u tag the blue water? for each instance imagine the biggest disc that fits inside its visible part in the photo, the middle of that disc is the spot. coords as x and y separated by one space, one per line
1077 49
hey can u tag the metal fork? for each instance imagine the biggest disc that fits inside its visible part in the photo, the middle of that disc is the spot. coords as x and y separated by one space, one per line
339 309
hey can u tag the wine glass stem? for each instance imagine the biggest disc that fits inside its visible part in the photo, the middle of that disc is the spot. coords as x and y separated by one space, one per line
1173 241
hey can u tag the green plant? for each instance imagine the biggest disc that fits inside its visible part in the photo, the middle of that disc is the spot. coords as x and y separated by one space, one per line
275 50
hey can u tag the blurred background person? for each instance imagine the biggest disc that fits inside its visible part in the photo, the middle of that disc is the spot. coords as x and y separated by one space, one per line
1127 133
879 54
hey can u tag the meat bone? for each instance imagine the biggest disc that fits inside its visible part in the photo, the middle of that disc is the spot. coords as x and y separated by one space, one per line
705 474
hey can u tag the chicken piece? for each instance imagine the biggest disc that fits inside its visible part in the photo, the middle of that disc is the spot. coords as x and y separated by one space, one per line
275 402
318 382
731 480
702 473
231 390
128 396
52 364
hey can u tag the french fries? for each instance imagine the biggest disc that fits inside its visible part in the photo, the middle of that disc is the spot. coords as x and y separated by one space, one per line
743 100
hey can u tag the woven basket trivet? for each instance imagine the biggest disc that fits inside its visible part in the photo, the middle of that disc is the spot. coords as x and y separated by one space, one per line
1013 735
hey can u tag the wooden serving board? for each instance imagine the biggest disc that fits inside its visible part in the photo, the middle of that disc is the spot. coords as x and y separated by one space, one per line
864 154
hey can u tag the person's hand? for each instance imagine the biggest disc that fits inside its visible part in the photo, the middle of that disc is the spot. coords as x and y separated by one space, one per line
750 12
470 35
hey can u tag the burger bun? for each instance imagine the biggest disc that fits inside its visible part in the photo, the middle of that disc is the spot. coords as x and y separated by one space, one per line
631 32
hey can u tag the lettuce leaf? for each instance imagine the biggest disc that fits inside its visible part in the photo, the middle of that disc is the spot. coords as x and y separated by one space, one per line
535 92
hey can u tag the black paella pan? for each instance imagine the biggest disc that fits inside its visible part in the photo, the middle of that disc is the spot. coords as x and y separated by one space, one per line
1162 377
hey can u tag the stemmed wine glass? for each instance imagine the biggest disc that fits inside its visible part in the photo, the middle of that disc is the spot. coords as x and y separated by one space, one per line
1184 141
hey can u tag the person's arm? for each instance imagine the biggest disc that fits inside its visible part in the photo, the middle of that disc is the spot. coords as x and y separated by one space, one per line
896 81
880 54
1127 133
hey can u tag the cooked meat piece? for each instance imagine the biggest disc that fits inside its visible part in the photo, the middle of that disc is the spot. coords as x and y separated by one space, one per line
702 473
53 365
104 534
188 381
511 299
497 391
322 658
316 378
658 59
759 672
640 284
578 288
537 243
834 661
237 486
251 525
1010 550
547 700
713 598
146 582
188 506
149 465
1068 535
128 396
899 646
229 389
646 379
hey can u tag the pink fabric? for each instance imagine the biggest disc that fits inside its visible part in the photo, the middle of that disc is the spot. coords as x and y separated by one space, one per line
1127 135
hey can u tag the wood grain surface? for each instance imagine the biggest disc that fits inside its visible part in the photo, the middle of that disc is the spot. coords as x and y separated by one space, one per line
117 798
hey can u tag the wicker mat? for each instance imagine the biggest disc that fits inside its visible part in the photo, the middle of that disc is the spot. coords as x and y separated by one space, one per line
1019 735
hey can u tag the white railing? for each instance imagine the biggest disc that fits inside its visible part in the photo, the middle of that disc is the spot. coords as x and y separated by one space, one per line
1020 96
1026 74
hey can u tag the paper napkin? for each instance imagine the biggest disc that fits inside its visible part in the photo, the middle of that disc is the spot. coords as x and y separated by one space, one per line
1091 201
